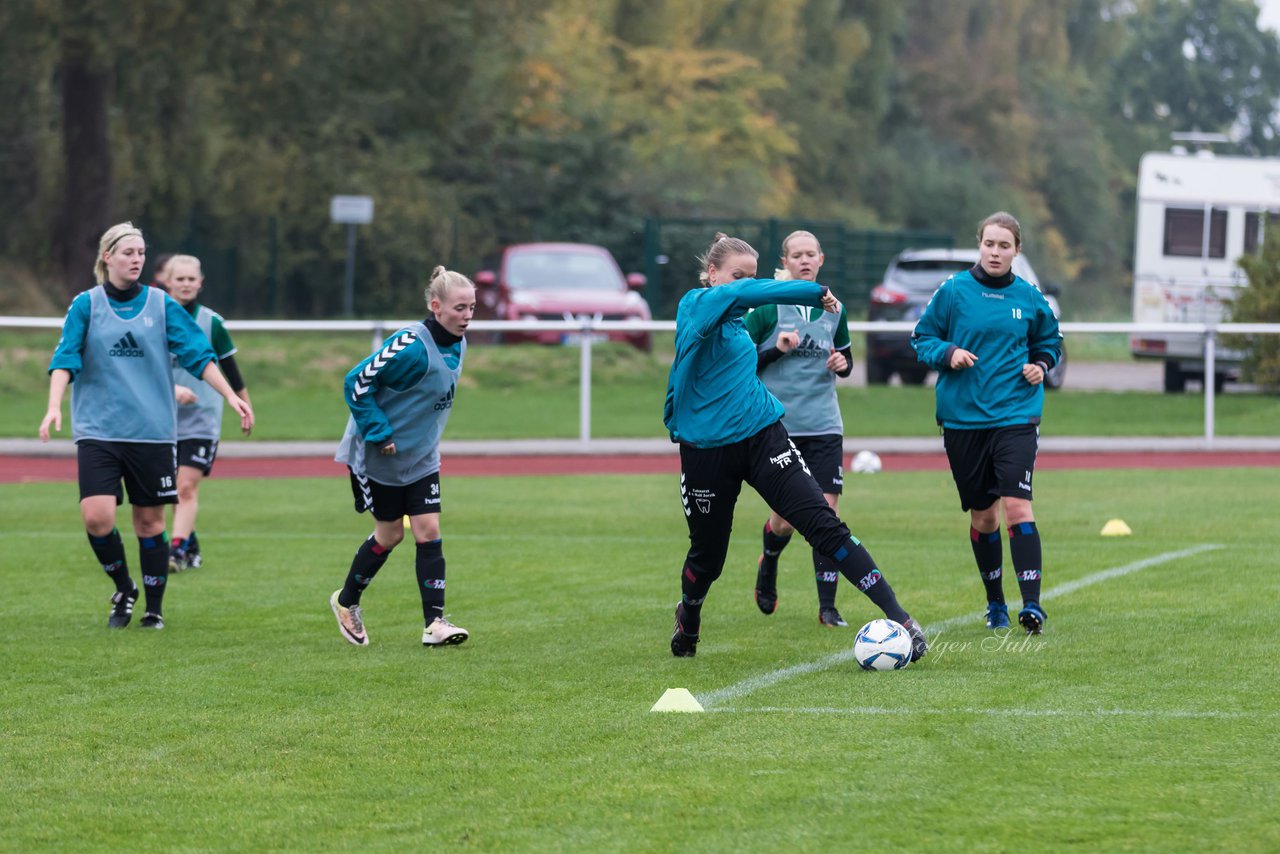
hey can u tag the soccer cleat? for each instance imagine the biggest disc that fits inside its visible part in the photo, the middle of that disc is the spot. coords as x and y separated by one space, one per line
683 644
350 621
177 560
194 561
1032 617
997 615
151 621
766 588
831 618
122 608
441 632
919 643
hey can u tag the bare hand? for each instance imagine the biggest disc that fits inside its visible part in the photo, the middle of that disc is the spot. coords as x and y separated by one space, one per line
1033 374
53 416
830 303
788 341
184 395
962 359
245 412
836 362
388 450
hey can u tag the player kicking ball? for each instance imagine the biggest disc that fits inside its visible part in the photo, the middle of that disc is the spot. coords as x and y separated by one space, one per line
400 399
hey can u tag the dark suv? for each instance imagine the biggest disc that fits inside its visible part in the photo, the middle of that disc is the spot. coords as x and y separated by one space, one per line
560 281
908 285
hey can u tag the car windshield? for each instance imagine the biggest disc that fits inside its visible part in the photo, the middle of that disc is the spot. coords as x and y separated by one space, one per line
562 270
928 271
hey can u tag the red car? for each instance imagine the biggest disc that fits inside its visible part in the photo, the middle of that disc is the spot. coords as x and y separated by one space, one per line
560 281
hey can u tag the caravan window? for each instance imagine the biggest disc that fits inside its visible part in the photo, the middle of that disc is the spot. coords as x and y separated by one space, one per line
1254 223
1184 232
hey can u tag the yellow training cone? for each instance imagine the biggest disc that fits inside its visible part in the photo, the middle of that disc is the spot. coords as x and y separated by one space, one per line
677 700
1116 528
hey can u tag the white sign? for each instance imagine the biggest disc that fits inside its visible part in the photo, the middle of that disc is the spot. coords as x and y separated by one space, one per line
353 210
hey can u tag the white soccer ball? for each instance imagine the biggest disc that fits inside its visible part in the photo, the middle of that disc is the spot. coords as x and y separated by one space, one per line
882 645
866 462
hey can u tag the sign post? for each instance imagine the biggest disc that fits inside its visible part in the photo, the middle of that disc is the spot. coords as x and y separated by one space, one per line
350 211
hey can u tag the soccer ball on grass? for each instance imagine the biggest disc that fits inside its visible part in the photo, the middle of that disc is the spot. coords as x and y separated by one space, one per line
882 645
866 462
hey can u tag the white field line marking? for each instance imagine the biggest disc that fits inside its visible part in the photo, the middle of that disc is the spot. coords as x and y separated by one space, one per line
764 680
1011 713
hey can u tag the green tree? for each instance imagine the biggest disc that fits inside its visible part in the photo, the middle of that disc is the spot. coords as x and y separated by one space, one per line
1260 303
1201 65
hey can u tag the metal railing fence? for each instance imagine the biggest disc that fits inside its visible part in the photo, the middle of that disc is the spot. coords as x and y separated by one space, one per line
588 329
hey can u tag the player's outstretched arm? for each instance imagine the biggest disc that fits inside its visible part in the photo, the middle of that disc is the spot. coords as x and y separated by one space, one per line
58 381
214 377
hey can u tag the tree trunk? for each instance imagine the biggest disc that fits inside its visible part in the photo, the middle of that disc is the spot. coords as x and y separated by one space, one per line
87 193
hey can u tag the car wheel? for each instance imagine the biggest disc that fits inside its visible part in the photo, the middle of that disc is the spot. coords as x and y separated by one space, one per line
877 371
914 375
1057 374
1175 381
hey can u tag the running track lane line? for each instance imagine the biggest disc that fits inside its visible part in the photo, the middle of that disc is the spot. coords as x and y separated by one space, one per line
765 680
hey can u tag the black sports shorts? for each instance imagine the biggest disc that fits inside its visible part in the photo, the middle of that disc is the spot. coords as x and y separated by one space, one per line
149 471
824 455
390 503
993 463
198 454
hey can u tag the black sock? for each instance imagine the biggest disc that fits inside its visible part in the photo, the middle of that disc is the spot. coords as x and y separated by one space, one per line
109 551
429 566
693 589
989 553
178 545
364 566
773 546
1024 548
856 564
827 576
193 544
153 563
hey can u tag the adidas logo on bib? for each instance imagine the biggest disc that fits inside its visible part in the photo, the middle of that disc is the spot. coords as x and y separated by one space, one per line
446 401
126 346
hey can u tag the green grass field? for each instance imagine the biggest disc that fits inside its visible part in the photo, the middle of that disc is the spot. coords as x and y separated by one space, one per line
296 384
1143 719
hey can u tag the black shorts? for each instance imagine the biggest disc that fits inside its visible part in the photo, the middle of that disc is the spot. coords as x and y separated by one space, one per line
824 455
390 503
149 471
711 480
198 454
992 464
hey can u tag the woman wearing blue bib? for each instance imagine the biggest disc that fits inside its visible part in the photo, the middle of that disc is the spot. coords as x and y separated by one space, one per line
119 341
400 398
801 351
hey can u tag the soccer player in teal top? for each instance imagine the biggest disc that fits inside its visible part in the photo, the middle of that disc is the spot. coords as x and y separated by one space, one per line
117 342
992 337
199 410
800 352
400 399
729 430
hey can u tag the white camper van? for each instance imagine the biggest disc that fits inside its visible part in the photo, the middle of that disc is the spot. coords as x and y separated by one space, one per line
1197 214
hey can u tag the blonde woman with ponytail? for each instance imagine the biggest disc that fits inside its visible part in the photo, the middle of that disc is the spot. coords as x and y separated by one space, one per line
729 429
400 398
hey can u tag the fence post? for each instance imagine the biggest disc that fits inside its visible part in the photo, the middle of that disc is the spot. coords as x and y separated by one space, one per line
378 334
584 383
1210 381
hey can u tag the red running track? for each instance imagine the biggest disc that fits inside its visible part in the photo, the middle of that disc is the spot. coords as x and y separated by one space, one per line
16 469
